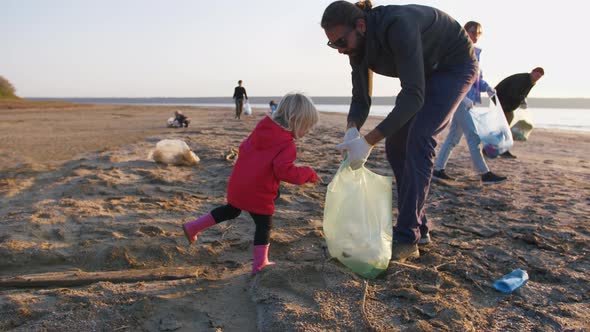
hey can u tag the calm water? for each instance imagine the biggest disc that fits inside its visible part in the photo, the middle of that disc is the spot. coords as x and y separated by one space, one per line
553 118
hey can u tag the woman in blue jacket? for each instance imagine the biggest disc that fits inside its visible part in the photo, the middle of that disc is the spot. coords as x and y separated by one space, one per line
433 58
463 124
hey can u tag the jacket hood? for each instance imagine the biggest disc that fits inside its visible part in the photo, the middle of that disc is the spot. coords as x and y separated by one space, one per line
268 133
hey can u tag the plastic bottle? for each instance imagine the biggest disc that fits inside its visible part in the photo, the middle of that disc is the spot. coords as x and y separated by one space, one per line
513 280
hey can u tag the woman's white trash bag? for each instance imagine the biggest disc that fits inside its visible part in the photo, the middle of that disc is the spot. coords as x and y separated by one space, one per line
493 129
173 152
357 220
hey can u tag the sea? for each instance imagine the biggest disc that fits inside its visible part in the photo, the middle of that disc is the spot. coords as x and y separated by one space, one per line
549 115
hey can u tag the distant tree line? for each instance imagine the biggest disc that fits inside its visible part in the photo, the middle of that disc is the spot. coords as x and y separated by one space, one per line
6 88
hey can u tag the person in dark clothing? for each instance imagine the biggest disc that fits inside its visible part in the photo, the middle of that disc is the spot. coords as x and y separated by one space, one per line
512 92
433 58
239 95
182 120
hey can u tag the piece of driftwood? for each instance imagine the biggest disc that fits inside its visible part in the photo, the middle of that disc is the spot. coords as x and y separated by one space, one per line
406 265
80 278
482 231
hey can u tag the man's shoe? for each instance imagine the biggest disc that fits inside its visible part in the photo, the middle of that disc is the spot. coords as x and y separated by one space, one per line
508 155
403 251
424 239
491 178
440 174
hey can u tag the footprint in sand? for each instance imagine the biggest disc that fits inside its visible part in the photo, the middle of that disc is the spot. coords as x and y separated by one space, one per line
294 284
151 231
162 314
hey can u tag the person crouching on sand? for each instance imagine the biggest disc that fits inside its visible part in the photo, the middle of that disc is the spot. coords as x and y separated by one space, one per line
265 158
182 120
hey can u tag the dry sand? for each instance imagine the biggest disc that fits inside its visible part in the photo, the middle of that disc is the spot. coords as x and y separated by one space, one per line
98 224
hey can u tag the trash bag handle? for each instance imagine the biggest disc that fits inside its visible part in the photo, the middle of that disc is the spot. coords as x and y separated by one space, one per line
344 164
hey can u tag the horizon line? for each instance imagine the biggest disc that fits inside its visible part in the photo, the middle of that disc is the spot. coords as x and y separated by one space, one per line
226 97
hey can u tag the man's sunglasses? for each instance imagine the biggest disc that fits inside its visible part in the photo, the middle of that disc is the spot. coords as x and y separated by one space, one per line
341 42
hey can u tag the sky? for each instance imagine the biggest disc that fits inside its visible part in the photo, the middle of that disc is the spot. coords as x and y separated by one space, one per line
196 48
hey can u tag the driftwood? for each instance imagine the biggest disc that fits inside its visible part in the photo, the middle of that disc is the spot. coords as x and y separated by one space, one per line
482 231
79 278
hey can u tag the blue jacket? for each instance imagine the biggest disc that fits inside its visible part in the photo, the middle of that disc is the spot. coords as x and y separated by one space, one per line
479 85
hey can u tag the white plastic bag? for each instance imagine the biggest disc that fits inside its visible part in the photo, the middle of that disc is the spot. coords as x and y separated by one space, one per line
247 108
493 129
172 123
357 220
173 152
522 124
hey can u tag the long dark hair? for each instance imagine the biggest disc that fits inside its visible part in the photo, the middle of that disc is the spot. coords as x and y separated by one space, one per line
344 13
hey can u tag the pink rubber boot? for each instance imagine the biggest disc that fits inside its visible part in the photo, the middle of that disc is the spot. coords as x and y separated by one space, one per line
260 258
191 229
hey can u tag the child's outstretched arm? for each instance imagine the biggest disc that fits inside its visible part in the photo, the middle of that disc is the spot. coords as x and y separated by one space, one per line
285 169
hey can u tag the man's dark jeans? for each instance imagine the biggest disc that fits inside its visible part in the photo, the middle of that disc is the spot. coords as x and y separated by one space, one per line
410 151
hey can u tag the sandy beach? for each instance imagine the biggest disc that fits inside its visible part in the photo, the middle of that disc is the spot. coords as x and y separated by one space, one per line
90 236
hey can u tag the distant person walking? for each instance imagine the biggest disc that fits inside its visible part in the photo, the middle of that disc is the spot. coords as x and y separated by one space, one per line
512 93
463 124
239 95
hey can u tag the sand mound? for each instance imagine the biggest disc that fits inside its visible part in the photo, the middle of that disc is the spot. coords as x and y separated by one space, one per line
173 152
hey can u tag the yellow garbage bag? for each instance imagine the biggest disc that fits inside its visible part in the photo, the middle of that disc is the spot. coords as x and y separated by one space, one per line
357 220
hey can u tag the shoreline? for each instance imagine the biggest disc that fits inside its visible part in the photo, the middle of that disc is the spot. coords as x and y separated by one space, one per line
87 125
576 103
563 118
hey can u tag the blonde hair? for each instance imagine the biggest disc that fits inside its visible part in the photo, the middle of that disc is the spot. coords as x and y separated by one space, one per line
296 112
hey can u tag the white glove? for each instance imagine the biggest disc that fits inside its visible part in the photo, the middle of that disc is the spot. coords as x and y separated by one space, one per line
358 151
351 134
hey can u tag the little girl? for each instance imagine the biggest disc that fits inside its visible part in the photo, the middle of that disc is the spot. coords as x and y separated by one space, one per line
265 159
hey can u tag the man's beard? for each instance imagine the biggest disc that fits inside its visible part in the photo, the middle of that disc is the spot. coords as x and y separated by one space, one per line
359 50
356 54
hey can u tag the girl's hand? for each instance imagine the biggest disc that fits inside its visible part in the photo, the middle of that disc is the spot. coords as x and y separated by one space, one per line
320 180
313 178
